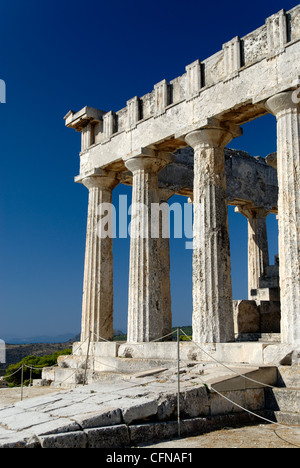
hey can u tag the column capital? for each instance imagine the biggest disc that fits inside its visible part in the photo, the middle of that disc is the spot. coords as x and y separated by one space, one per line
215 134
281 102
252 211
100 179
149 160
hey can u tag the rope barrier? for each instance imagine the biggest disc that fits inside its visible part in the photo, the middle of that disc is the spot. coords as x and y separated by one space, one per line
161 338
100 337
6 376
279 425
251 412
151 341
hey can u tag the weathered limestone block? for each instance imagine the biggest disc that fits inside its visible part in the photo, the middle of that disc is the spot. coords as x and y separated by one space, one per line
282 354
145 433
167 405
65 440
138 410
103 349
287 111
212 292
108 437
289 376
270 316
103 417
193 79
194 402
250 399
284 399
246 317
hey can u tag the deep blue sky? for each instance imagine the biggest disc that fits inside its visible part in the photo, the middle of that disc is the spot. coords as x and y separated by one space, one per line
62 55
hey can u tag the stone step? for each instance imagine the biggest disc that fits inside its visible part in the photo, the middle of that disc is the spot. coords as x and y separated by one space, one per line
283 399
262 337
289 376
284 417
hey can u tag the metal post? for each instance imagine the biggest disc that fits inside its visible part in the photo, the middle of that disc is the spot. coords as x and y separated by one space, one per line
22 379
178 383
87 357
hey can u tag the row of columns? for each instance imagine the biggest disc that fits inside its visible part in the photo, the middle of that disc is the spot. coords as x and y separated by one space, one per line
149 308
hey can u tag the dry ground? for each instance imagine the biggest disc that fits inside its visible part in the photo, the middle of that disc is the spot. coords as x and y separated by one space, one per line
262 436
9 396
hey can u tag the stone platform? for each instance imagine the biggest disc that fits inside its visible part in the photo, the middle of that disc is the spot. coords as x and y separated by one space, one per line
128 358
127 410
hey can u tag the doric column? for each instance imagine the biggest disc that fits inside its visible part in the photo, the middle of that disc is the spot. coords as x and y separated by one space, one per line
258 250
145 317
286 108
212 291
97 304
164 195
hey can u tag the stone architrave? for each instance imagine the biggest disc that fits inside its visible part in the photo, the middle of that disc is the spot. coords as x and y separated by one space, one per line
145 309
286 107
97 304
258 250
212 291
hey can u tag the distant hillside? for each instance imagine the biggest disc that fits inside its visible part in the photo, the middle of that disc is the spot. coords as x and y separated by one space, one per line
15 352
48 339
40 339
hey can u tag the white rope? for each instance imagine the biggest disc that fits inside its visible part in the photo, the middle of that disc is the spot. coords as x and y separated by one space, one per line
101 338
151 341
80 345
162 337
6 376
254 414
40 368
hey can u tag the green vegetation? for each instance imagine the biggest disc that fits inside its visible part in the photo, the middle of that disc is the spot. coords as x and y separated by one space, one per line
120 338
32 367
187 330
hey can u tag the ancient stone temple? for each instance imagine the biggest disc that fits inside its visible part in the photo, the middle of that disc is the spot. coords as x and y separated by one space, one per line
175 140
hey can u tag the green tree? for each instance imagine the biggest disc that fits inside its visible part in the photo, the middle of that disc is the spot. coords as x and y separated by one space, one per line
32 367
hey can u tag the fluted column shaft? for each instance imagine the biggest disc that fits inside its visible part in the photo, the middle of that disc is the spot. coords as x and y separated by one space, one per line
258 249
145 317
287 111
97 303
212 291
166 302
